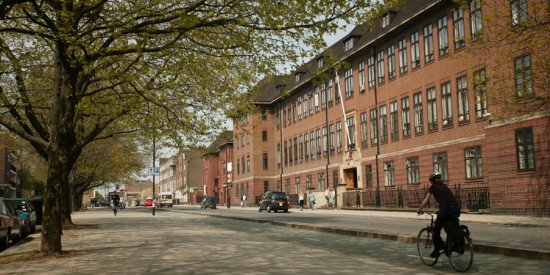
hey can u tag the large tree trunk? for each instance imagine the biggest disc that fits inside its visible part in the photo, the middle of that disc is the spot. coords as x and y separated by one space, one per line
51 222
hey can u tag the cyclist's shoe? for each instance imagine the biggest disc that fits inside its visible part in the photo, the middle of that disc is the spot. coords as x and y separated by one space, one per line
435 254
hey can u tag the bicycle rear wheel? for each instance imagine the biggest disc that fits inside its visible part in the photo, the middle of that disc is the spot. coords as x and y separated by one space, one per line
425 246
461 258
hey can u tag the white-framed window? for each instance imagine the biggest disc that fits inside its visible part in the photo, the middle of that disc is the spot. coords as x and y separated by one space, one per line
415 51
442 36
446 105
475 19
402 44
406 116
519 12
391 62
462 95
432 108
381 67
428 44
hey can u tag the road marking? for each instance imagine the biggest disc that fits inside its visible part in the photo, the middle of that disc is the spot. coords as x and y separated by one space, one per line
312 239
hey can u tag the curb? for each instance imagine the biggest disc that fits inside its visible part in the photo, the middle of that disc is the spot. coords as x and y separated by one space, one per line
480 247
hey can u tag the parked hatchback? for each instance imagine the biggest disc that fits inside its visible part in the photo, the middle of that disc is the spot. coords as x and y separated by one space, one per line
274 201
208 202
26 213
10 226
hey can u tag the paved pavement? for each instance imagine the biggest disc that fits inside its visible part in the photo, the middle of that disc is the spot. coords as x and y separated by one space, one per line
84 237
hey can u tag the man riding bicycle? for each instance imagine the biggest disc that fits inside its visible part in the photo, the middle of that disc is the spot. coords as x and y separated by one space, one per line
116 201
449 210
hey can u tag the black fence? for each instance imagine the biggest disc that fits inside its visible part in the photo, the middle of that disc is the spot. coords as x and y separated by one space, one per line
473 199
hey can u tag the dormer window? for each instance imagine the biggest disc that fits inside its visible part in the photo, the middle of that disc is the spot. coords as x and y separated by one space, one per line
298 76
348 45
385 20
320 63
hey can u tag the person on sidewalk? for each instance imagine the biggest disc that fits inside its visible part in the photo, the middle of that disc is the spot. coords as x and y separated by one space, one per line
333 196
327 197
301 201
116 201
243 201
449 209
312 201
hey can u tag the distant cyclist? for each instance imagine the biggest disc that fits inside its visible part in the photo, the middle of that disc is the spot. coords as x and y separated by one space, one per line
448 209
116 202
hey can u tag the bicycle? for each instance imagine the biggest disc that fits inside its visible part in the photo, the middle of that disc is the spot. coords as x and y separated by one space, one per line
460 251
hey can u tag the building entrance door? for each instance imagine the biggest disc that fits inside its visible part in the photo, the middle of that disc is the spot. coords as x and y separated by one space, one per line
350 178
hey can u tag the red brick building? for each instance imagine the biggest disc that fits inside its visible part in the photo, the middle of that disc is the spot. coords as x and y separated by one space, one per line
216 168
412 95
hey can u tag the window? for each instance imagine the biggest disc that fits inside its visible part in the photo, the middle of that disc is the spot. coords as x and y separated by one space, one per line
287 186
368 176
311 102
440 165
278 157
348 76
301 140
525 149
238 166
247 163
348 44
361 70
295 150
351 133
290 159
266 186
318 142
403 56
322 181
306 147
312 144
458 26
372 73
331 130
265 161
337 93
446 105
308 182
293 110
383 124
413 171
523 75
381 69
391 62
320 62
298 185
428 44
339 137
329 92
264 135
277 119
385 20
462 95
316 98
323 95
285 153
299 107
475 19
373 127
325 141
415 51
518 10
243 167
432 109
480 93
418 114
389 174
472 158
305 105
405 117
335 178
364 134
394 123
443 36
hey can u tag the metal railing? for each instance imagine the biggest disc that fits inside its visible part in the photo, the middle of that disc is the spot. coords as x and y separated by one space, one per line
473 199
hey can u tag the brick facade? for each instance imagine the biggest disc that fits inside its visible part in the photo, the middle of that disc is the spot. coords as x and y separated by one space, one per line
478 151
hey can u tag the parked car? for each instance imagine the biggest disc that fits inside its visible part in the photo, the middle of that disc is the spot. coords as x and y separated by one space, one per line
38 203
274 201
26 213
10 225
104 203
208 202
148 202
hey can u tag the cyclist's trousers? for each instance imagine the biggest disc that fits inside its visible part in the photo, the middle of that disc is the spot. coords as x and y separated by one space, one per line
445 214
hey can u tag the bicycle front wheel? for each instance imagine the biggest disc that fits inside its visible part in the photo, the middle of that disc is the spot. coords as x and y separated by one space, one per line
461 257
425 246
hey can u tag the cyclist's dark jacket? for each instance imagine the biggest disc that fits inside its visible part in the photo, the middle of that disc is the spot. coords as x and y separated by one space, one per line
116 199
443 195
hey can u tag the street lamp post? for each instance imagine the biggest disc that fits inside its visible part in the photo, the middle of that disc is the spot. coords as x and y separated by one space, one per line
153 170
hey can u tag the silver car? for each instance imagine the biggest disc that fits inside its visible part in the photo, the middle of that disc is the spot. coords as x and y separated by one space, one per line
10 225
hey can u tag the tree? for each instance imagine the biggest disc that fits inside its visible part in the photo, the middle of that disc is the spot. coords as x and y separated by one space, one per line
74 71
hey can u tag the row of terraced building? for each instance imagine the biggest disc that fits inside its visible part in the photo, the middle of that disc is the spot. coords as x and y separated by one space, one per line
374 114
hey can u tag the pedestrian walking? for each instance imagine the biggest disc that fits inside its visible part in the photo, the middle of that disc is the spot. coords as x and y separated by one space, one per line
243 200
116 201
333 195
312 201
327 197
301 201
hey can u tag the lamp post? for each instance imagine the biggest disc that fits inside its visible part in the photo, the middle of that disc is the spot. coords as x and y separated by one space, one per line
154 170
